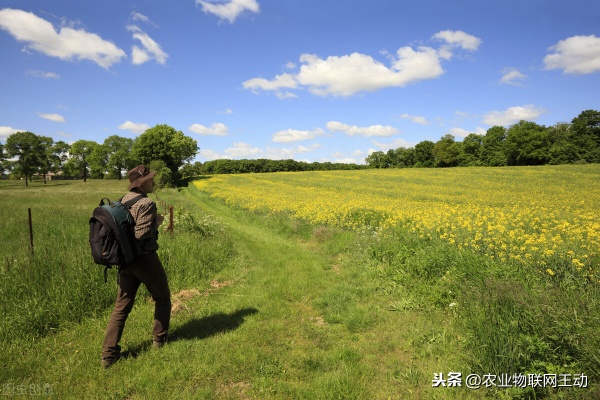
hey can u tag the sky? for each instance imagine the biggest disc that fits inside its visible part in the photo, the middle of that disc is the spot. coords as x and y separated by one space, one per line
310 80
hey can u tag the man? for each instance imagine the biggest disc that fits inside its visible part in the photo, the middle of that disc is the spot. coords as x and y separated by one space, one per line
146 269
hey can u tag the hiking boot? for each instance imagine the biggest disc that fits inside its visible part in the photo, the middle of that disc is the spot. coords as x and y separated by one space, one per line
158 343
108 362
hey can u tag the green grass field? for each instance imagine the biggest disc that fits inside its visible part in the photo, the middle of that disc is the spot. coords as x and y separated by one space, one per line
268 307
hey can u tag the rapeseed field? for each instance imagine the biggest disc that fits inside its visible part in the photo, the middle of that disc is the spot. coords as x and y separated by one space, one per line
545 217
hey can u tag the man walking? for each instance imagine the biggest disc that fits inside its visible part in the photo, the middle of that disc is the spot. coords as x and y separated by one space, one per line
146 269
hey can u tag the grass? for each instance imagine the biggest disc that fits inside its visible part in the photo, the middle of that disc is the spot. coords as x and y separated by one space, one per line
272 308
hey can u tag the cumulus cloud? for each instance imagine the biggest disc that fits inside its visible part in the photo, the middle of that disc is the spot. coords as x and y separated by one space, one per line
350 74
66 44
293 135
512 115
462 133
229 10
149 50
577 55
134 127
42 74
243 150
454 39
393 145
284 81
367 131
512 76
415 118
6 131
211 155
53 117
217 129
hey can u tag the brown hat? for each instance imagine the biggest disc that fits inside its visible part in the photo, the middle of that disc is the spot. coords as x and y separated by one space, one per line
139 175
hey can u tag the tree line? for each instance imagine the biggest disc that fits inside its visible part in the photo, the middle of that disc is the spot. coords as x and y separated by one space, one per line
524 143
169 152
164 149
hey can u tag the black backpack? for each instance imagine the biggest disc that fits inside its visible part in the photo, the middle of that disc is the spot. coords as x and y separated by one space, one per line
112 238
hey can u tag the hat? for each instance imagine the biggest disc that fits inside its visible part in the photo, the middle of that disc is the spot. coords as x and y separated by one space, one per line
139 175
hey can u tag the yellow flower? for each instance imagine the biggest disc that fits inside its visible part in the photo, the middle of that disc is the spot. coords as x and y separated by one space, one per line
550 272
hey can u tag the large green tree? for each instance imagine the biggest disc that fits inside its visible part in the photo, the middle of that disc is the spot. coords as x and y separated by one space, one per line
28 151
447 152
585 134
119 155
527 144
79 154
164 143
492 147
424 154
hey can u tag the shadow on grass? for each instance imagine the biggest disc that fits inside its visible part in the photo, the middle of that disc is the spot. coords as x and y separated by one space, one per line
200 328
212 325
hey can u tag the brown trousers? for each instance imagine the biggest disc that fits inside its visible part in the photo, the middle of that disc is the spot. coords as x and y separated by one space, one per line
146 269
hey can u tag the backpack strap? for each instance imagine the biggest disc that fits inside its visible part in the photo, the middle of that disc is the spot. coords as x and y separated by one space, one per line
129 203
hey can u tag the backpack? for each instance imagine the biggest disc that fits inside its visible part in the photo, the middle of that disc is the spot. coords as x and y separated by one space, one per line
112 238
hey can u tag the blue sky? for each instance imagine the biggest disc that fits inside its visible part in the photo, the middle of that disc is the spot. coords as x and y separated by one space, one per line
309 80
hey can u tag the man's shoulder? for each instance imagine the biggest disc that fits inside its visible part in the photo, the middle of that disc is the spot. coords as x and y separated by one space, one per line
145 200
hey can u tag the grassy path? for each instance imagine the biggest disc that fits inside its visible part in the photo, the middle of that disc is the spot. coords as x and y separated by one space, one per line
296 318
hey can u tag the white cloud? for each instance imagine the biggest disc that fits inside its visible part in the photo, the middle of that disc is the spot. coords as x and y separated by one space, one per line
150 50
133 127
368 131
53 117
211 155
458 39
243 150
415 118
217 129
284 81
293 135
350 74
42 74
67 44
6 131
229 10
136 16
462 133
393 145
512 76
512 115
575 55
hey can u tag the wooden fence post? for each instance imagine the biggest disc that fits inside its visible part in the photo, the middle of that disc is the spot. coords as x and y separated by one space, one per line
30 231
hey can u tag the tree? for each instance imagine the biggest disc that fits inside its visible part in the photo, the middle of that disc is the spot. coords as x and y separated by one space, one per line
27 148
377 159
119 155
447 152
424 154
562 150
492 150
472 147
60 154
98 161
526 144
80 152
585 134
47 155
164 143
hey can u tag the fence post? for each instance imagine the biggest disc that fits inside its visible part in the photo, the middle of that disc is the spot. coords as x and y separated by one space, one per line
171 219
30 231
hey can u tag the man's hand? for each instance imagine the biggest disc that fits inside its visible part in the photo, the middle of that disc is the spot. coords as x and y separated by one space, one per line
159 219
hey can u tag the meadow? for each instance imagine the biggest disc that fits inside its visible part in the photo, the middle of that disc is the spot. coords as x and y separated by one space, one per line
542 217
373 284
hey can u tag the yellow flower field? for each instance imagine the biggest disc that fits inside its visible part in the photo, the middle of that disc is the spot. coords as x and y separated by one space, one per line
544 216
